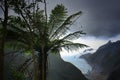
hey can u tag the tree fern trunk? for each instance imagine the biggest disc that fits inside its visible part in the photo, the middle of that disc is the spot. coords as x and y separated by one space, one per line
43 68
43 65
40 65
35 69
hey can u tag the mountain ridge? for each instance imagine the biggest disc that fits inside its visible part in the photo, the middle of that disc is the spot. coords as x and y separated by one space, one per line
104 60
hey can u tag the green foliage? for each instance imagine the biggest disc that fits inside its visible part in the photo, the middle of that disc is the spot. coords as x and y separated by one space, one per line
57 17
74 35
16 75
38 34
59 25
58 14
15 45
27 52
30 30
64 27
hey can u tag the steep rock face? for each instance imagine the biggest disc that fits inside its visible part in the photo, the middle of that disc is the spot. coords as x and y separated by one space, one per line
104 60
115 74
61 70
107 56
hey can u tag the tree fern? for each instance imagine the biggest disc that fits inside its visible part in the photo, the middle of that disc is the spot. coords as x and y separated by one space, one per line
65 26
34 31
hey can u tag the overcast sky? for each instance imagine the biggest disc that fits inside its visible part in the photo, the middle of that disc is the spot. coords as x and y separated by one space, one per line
99 18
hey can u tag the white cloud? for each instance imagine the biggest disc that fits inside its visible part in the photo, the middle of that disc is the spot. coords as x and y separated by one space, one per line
93 42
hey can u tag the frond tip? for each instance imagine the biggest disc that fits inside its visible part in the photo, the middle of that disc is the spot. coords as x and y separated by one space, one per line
73 46
74 35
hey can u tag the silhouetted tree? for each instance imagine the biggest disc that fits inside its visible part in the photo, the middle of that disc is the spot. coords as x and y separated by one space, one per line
43 34
3 28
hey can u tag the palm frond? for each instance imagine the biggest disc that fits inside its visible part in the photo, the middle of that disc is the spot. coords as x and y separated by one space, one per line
56 50
73 46
57 17
12 35
15 28
18 32
74 35
38 22
62 30
17 21
58 44
15 45
68 45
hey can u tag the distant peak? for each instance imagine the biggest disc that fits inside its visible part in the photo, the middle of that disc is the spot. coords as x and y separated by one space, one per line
109 41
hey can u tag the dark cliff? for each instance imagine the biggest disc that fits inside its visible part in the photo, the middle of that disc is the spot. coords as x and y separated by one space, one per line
104 60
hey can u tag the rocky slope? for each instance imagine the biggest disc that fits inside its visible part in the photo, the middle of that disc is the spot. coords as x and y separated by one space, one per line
57 68
61 70
104 60
115 74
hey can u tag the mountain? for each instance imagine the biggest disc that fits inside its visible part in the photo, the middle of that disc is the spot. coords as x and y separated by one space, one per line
61 70
115 74
57 68
104 60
